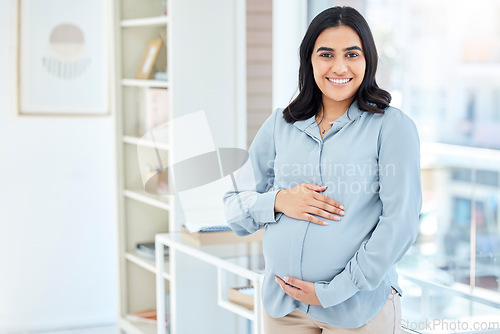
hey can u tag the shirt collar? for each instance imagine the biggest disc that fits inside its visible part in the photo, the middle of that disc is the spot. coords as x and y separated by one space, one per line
351 114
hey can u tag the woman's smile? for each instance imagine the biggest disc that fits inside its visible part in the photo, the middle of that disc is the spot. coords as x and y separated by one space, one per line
340 81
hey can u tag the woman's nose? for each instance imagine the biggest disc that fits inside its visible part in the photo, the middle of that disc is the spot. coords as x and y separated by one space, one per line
339 66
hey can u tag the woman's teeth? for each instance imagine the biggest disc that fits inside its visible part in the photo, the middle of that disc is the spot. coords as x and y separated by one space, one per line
339 81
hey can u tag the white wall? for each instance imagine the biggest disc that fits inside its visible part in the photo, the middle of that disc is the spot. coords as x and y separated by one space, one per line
57 212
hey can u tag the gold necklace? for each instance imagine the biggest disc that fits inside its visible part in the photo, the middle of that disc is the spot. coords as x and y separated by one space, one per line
321 122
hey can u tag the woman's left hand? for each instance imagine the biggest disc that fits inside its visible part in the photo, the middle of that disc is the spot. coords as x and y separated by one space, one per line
302 291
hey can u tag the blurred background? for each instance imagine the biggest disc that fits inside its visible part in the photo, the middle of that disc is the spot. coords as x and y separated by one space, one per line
61 177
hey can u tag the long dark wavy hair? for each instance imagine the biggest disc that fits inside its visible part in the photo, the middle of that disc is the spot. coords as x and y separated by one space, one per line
369 96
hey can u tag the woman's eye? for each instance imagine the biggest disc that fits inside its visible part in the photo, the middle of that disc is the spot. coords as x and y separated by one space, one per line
352 55
326 55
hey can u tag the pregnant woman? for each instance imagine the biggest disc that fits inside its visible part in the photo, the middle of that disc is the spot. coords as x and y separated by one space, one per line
334 178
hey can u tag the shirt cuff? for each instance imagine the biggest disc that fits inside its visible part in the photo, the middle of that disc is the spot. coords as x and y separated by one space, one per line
262 211
336 291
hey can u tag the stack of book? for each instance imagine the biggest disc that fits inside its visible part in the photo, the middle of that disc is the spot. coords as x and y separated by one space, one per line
243 296
145 317
218 235
146 250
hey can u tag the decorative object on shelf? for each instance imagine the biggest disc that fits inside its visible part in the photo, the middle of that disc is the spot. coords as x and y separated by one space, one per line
243 296
149 59
162 76
164 5
157 183
62 58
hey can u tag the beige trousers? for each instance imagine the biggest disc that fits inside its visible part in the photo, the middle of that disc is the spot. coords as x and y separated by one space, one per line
387 321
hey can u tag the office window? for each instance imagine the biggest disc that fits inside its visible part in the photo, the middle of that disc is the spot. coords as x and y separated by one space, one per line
456 256
445 60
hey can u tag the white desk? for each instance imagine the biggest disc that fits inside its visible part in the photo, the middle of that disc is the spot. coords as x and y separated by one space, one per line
246 260
242 259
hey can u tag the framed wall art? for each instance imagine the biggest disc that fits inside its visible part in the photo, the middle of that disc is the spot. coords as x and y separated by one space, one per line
62 57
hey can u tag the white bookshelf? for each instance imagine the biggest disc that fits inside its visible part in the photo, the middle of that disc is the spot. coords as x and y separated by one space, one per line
206 71
141 215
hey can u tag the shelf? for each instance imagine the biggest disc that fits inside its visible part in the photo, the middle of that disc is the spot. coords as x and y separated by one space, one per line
136 328
146 143
238 309
243 259
146 22
147 264
147 198
140 214
144 83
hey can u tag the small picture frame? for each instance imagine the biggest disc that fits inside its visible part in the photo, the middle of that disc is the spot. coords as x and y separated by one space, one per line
149 59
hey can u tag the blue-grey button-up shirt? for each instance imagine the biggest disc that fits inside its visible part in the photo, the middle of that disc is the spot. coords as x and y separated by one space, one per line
371 164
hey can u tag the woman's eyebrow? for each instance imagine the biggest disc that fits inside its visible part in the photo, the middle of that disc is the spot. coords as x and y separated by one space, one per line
353 48
324 48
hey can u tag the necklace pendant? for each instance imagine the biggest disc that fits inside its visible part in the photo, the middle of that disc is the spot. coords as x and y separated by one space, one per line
324 131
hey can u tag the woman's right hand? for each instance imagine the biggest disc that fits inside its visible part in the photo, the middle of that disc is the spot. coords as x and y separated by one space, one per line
303 201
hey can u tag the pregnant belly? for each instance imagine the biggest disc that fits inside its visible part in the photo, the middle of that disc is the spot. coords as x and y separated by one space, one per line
328 249
309 251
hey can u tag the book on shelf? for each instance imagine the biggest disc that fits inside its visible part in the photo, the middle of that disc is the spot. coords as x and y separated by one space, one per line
156 107
243 296
209 226
152 105
145 317
219 235
146 250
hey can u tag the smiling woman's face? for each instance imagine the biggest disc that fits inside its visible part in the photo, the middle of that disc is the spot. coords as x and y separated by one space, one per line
338 64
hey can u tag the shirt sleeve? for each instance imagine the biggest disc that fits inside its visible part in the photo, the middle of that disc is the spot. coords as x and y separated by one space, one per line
249 203
401 196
